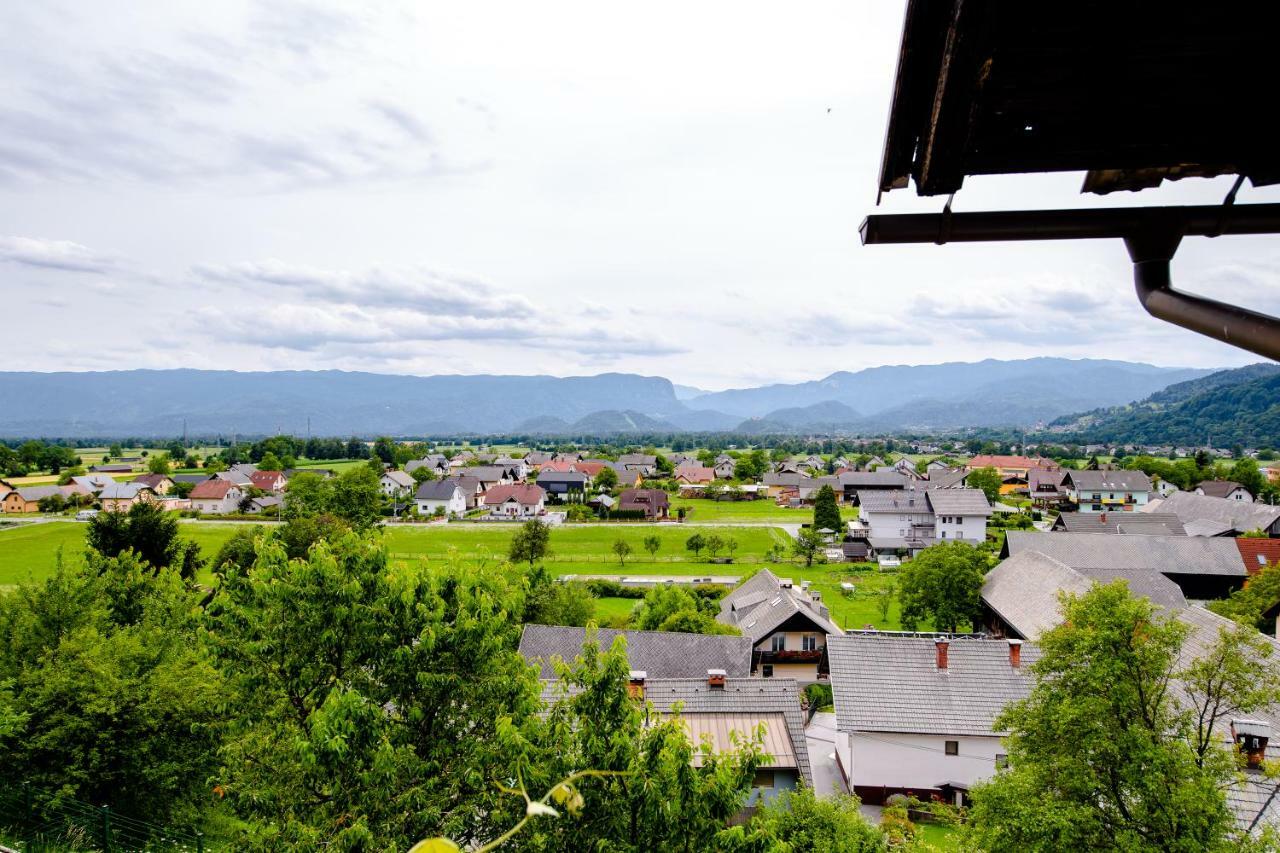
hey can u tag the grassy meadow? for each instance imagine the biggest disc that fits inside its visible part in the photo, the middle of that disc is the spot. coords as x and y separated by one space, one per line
30 552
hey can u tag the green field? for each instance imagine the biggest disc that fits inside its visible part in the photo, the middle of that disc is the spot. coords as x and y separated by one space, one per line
29 552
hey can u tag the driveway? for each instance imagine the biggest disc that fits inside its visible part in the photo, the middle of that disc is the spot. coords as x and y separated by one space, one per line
820 735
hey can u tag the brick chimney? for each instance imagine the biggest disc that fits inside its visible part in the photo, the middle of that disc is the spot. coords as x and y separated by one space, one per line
1015 653
1251 736
940 645
635 684
715 678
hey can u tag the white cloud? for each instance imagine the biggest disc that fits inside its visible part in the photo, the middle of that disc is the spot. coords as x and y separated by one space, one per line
55 254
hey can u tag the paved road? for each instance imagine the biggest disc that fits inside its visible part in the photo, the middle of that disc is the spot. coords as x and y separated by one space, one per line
821 737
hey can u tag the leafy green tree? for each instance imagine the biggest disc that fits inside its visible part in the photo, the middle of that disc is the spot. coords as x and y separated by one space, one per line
1252 604
986 479
111 699
652 543
192 461
550 601
1102 754
307 494
826 512
622 550
666 600
607 479
799 822
695 543
357 497
650 796
385 449
807 544
115 451
149 532
422 474
530 543
1245 471
943 585
160 464
715 543
271 462
369 707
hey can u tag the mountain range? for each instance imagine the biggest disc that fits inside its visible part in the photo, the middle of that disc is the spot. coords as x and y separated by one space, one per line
1226 408
1016 393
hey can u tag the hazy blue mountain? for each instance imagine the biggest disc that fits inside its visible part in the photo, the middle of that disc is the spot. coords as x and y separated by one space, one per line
687 392
159 402
1230 407
1061 383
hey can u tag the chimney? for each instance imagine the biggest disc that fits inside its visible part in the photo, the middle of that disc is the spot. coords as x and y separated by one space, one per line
940 645
1251 737
635 684
715 678
1015 653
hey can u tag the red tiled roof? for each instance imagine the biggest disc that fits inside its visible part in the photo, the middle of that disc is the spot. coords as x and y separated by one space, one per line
265 480
557 466
591 469
988 461
212 489
526 494
1258 553
695 473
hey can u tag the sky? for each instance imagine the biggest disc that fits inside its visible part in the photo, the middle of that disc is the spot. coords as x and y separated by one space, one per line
668 189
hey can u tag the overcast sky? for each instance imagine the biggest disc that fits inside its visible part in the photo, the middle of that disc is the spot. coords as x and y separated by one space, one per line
666 188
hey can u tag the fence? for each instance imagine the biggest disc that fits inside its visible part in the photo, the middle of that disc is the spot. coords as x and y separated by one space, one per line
37 823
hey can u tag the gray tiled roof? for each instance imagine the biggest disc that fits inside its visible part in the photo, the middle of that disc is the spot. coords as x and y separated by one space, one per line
572 477
1113 481
946 478
35 493
1158 523
959 502
896 500
1218 488
761 603
1237 515
1023 591
661 654
872 479
436 490
1167 554
123 491
891 683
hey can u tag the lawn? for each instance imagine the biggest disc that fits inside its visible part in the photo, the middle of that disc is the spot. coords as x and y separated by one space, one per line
30 552
701 510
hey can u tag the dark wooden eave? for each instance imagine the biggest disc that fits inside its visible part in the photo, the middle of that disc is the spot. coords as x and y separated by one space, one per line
1129 91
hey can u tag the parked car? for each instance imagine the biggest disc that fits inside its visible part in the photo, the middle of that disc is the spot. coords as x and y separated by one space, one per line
86 514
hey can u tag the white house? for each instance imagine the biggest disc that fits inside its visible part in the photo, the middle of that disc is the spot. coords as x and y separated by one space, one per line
916 715
911 520
1103 491
518 500
396 483
788 626
1225 489
444 495
216 497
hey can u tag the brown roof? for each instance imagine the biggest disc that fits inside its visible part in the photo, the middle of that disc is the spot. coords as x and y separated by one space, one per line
643 499
1258 553
212 489
151 480
1218 488
695 473
526 494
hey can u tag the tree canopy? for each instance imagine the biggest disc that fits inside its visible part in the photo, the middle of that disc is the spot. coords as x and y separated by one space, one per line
943 585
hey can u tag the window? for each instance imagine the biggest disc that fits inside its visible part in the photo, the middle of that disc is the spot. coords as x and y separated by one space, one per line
953 747
763 778
778 642
767 670
809 642
1002 761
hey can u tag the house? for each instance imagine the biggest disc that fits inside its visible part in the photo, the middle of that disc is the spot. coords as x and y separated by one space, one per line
937 465
271 482
269 504
534 458
1011 466
945 478
194 478
119 497
113 468
1258 553
171 502
907 468
236 476
1044 486
159 484
1202 515
645 463
590 467
699 474
659 654
654 503
27 498
1158 523
441 497
627 478
788 626
1225 489
490 476
472 490
516 500
725 467
216 497
396 483
1103 491
910 520
916 715
786 483
436 463
850 485
566 487
1202 568
94 483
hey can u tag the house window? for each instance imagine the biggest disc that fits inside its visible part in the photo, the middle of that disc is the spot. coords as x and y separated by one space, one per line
953 747
1002 761
809 642
763 778
767 670
944 534
778 642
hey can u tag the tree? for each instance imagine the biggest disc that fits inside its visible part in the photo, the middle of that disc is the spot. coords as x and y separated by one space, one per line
147 531
622 549
715 543
986 479
422 474
826 513
807 544
159 464
530 542
52 503
652 543
307 494
799 822
695 543
385 450
884 600
357 497
1252 604
1245 471
1102 754
607 479
661 602
550 601
192 461
943 585
270 462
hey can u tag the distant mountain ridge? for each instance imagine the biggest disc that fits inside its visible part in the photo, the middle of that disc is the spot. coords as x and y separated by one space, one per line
331 402
1230 407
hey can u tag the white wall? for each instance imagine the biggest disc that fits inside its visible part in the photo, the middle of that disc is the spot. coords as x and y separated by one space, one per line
969 528
898 760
